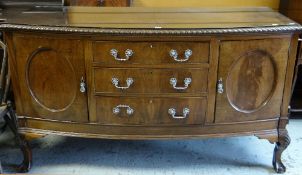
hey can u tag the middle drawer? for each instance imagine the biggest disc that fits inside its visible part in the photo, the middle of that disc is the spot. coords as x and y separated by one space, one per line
141 80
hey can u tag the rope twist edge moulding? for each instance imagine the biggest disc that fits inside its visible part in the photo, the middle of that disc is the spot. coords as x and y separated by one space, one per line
195 31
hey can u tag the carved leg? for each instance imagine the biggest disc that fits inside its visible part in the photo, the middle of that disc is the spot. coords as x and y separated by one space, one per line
27 156
24 146
281 145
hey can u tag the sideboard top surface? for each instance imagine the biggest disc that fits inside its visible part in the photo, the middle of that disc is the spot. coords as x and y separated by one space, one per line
147 20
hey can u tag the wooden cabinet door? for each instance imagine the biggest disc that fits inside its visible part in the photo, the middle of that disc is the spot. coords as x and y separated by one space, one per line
49 72
253 74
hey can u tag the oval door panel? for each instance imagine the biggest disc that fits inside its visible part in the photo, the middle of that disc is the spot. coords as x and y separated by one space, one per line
251 81
50 75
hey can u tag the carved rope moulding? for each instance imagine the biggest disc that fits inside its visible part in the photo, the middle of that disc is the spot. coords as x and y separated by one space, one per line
270 29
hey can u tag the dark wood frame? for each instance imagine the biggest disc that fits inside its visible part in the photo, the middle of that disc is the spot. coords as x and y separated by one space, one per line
293 9
105 3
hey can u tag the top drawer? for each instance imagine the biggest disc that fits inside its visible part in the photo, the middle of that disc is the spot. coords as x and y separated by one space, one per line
150 52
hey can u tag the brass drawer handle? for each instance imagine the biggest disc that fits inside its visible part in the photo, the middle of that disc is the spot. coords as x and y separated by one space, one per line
128 54
187 82
82 85
174 55
185 113
116 110
115 82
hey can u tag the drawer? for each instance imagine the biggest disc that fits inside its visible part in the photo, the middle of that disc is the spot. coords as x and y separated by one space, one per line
118 80
143 110
150 52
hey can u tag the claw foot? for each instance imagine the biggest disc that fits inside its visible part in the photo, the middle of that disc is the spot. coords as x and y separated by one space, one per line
281 145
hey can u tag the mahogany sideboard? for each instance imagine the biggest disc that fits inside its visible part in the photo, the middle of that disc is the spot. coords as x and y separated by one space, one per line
152 73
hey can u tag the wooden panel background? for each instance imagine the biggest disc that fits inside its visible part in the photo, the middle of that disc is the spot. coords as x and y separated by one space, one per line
203 3
172 3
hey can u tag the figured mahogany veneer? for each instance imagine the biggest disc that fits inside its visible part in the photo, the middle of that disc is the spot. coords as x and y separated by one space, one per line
50 66
260 71
154 73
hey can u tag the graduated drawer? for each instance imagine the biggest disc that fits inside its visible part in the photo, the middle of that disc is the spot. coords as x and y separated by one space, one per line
150 52
150 80
144 110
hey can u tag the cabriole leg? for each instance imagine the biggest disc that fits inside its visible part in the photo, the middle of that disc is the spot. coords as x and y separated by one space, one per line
281 145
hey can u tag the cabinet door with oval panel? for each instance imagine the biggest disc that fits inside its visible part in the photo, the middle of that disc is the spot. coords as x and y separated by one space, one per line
251 77
51 76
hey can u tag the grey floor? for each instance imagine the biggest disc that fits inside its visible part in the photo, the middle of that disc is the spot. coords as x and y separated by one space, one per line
225 156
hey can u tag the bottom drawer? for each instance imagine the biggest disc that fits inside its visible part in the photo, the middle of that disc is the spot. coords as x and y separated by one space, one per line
148 111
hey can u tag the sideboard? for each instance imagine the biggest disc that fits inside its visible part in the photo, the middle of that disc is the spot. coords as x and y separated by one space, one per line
152 73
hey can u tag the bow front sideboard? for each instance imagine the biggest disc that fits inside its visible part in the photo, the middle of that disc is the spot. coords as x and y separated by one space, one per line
152 73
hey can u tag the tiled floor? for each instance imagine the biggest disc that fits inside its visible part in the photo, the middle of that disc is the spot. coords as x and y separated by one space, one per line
227 156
